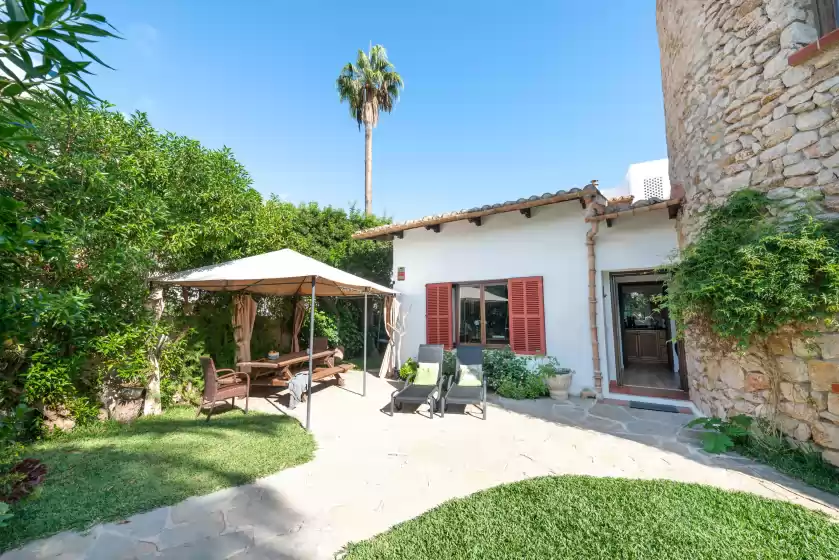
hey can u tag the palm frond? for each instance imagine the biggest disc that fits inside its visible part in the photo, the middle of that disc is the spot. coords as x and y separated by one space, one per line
369 86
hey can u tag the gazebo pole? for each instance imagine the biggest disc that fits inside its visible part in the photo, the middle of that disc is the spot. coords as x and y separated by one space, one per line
364 367
311 345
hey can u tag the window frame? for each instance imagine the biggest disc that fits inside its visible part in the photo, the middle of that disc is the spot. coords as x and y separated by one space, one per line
456 305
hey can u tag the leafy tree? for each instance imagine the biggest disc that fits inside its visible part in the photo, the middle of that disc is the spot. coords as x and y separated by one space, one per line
98 205
369 86
33 65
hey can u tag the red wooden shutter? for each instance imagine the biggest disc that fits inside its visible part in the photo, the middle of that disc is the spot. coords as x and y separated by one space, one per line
438 314
527 315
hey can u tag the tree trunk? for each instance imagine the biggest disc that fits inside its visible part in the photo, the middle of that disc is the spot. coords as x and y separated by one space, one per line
368 169
152 404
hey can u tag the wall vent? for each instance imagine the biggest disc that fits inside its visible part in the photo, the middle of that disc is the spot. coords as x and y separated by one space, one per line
653 187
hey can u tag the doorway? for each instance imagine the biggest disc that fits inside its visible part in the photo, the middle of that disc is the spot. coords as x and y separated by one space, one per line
647 362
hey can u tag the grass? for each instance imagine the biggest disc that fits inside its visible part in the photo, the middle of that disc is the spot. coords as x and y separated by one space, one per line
109 471
606 518
806 466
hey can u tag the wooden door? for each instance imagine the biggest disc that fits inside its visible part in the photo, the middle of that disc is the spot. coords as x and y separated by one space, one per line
631 347
648 350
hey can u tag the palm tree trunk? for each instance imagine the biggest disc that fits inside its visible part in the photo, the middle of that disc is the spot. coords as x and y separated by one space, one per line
368 169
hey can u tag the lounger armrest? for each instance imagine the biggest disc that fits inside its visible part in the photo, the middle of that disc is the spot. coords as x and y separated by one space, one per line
225 369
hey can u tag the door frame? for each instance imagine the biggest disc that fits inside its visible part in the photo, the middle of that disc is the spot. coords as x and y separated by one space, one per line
639 276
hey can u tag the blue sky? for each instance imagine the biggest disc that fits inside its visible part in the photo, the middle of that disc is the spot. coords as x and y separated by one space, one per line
501 99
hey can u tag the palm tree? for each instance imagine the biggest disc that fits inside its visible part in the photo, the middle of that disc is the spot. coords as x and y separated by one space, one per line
369 86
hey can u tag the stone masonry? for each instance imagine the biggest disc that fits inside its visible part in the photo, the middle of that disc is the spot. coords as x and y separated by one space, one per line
739 115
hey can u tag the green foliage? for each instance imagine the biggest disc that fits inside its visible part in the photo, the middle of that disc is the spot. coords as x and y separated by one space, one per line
531 386
748 274
181 377
549 367
5 516
511 376
603 518
13 430
369 86
761 440
722 435
125 352
33 65
109 471
798 460
50 377
10 455
409 369
104 201
449 362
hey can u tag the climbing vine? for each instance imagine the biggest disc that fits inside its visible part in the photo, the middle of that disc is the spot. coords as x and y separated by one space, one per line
753 270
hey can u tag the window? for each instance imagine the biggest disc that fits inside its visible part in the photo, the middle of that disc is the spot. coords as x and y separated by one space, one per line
494 313
483 314
826 15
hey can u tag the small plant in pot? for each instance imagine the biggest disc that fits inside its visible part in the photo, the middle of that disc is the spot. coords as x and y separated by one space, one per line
558 378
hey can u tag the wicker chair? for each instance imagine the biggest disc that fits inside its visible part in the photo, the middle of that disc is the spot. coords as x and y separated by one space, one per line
222 387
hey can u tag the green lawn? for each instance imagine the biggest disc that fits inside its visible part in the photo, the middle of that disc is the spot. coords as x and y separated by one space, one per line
608 518
110 471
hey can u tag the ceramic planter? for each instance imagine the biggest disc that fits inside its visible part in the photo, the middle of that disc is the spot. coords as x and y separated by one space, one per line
131 392
558 385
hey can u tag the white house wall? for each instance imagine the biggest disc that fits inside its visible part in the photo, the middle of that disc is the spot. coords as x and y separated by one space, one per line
550 244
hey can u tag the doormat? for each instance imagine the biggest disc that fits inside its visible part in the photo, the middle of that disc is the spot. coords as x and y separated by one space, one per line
651 406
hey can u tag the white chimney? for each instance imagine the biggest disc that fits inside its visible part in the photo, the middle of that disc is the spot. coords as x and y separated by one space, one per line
649 179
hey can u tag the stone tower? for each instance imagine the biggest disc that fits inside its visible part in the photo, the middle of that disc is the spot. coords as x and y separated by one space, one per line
751 99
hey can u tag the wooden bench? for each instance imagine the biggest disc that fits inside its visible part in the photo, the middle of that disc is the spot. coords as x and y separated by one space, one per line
318 374
282 366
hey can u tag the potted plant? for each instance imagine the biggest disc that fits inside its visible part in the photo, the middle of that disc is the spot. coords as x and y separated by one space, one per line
557 378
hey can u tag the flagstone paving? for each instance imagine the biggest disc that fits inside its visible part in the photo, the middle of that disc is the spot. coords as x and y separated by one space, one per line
372 471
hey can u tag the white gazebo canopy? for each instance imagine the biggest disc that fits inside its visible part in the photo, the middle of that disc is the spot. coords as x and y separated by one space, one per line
279 273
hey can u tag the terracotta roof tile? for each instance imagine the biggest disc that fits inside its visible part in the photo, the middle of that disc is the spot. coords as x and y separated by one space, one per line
479 211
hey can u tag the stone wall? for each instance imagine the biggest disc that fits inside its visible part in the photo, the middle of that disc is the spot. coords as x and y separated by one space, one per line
739 115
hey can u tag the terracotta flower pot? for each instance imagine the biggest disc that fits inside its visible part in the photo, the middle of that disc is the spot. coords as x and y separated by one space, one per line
558 386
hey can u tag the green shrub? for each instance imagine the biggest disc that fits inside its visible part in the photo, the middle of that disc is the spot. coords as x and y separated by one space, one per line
16 426
721 435
511 376
181 376
408 370
449 362
5 516
549 367
748 273
761 440
125 352
531 386
50 377
77 248
500 365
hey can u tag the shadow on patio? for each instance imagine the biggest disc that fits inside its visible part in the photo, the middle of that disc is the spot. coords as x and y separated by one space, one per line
663 430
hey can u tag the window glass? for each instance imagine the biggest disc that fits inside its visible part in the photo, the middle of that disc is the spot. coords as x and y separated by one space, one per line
469 306
638 305
497 314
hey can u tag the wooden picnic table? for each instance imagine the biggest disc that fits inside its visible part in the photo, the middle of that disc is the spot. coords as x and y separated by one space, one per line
280 369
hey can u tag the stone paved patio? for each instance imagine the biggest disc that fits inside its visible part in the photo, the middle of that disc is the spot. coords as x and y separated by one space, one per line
372 471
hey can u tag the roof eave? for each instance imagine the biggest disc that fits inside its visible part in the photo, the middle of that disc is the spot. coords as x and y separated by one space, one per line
387 232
